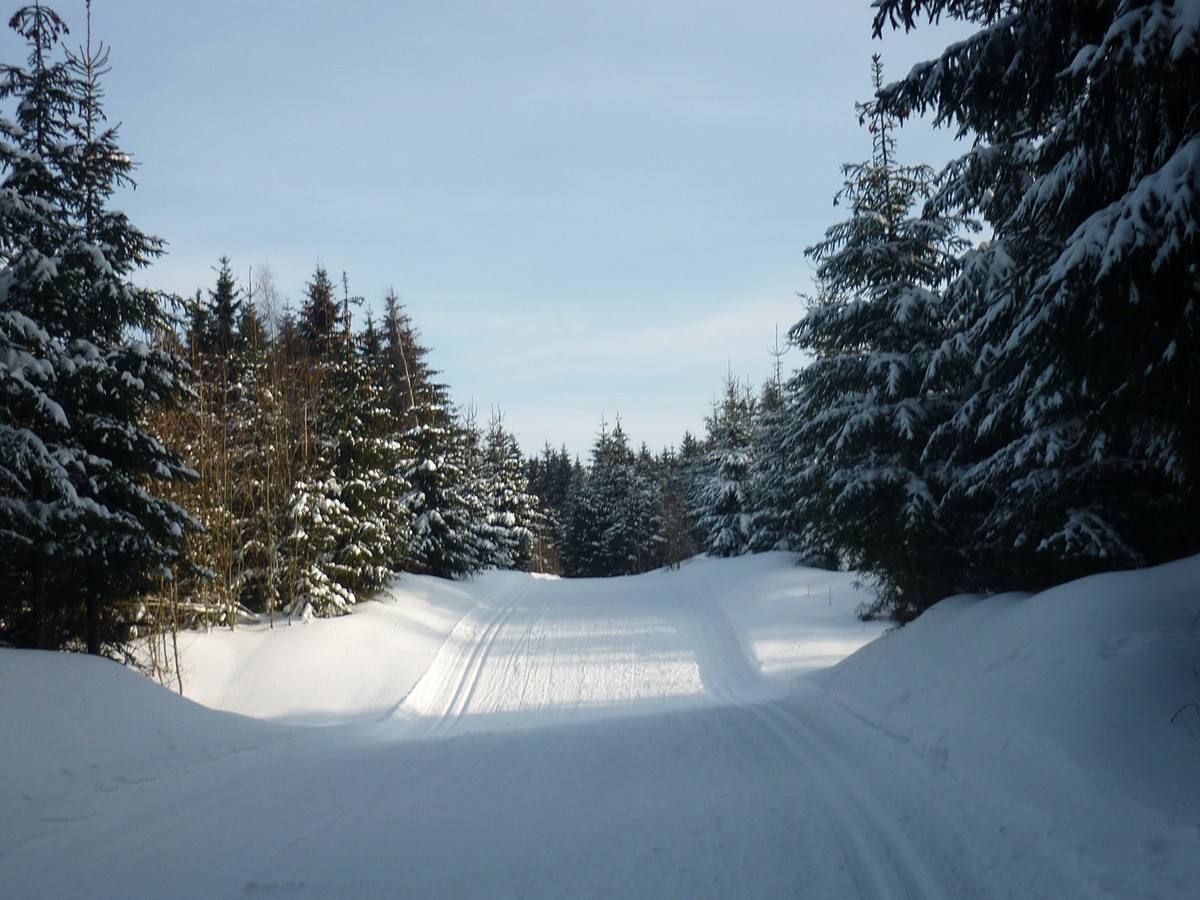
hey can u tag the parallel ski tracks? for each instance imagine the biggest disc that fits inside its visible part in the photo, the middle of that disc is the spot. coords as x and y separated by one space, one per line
453 680
881 860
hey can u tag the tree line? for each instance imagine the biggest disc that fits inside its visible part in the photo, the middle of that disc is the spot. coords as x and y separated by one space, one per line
1016 411
1008 412
331 458
997 388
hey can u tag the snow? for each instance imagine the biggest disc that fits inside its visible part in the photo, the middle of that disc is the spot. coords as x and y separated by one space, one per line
725 729
328 671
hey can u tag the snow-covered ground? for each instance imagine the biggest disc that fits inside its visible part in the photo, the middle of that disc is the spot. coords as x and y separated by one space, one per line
706 732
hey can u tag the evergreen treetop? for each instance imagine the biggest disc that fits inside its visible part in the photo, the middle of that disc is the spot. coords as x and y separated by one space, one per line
84 530
1077 436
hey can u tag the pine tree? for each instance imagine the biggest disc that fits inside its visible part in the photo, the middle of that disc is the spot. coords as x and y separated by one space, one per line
862 409
215 327
451 536
444 497
646 510
366 462
83 534
408 380
677 484
1078 441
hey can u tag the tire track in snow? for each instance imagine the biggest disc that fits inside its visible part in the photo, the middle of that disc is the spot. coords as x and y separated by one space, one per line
883 862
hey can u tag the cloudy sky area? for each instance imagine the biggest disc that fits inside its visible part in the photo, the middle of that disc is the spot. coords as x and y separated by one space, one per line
589 209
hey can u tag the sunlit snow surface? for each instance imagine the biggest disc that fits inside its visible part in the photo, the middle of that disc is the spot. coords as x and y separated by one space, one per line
542 646
677 734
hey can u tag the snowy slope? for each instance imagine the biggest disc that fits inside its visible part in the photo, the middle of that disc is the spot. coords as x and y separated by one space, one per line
329 670
670 735
1071 707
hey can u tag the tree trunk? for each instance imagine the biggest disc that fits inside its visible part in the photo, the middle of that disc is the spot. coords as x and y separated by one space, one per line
92 604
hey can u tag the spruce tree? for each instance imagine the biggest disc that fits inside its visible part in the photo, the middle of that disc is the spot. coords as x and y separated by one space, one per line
770 504
84 533
863 410
676 478
261 449
553 477
346 517
367 464
444 496
613 523
723 504
581 532
1078 440
511 504
647 510
451 535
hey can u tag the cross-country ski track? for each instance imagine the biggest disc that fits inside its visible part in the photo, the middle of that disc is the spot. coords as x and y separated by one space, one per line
658 736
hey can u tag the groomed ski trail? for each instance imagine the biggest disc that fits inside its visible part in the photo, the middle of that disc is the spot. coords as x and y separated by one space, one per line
544 652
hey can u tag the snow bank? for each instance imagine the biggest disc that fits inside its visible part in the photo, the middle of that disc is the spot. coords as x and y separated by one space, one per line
326 671
791 619
1073 703
70 719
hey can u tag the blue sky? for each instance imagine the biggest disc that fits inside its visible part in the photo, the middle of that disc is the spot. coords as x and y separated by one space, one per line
590 209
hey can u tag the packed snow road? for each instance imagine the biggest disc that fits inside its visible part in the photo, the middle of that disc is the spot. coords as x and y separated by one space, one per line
521 737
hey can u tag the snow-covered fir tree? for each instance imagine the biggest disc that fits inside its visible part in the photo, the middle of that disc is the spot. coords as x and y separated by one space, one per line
645 510
862 410
346 514
581 532
451 534
82 529
613 521
511 505
317 517
1078 440
367 462
770 504
678 472
723 504
260 456
444 497
553 477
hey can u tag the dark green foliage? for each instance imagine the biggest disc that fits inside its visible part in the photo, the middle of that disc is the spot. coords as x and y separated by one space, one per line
723 502
678 474
346 517
613 521
863 410
512 506
445 498
553 478
82 532
771 506
1075 447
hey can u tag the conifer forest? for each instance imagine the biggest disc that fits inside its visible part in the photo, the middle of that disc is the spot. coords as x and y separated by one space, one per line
997 388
